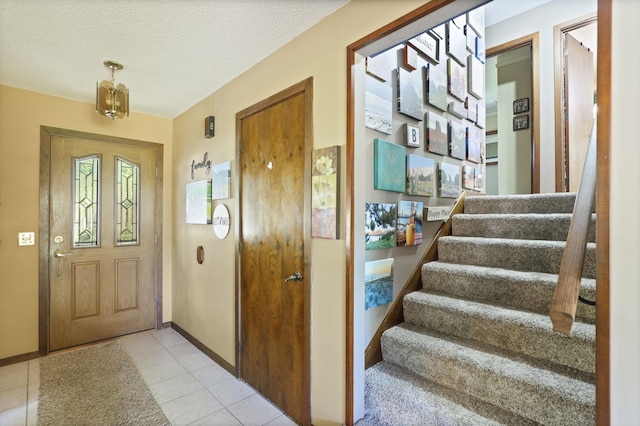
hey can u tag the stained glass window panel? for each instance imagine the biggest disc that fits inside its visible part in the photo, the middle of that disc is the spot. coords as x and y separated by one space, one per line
127 195
86 199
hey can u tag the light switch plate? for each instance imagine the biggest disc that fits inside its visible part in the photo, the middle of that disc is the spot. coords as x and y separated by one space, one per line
26 238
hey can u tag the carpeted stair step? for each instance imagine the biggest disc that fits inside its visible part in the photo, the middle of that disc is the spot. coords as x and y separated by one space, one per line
534 393
512 330
396 397
561 202
530 291
519 255
530 226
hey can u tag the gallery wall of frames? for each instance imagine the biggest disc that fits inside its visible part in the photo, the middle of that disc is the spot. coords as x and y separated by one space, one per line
425 143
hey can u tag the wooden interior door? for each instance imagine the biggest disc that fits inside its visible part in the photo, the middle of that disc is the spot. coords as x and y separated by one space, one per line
274 272
579 95
102 240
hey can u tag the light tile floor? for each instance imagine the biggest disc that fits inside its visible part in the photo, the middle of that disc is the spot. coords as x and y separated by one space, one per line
190 388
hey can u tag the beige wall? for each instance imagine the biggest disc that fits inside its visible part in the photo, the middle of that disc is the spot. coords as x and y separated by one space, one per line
204 295
21 115
623 221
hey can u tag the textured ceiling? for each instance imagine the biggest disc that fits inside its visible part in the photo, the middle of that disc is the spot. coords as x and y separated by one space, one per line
174 52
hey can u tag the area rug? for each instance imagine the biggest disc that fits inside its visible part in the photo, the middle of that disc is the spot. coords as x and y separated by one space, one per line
97 385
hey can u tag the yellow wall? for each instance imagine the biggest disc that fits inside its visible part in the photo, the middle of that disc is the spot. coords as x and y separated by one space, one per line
21 115
204 295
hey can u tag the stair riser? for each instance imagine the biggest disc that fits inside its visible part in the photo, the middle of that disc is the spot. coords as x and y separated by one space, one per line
533 337
539 256
500 287
523 227
539 203
522 395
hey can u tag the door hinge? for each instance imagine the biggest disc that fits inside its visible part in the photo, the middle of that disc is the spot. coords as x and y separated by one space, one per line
240 247
240 148
240 346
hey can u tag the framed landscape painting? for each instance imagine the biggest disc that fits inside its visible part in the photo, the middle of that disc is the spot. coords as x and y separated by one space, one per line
449 182
437 138
221 181
410 93
457 140
380 226
378 283
437 86
475 141
389 166
468 177
198 202
377 105
457 80
421 175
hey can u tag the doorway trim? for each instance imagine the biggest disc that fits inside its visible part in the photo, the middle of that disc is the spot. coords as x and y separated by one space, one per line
558 79
533 41
603 392
46 134
305 88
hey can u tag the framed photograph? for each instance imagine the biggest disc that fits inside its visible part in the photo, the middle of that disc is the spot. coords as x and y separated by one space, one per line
472 108
457 80
439 31
411 135
457 109
475 19
198 202
481 117
437 86
449 182
410 58
457 140
475 142
479 180
471 39
457 43
380 226
521 105
378 283
427 45
468 177
437 137
389 166
421 175
221 181
377 105
409 223
410 92
380 66
480 50
325 182
521 122
476 77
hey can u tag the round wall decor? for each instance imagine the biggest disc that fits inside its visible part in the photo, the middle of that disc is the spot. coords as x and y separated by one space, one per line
221 221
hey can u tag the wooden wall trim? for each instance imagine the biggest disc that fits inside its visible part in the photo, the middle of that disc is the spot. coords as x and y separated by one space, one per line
603 390
395 315
534 41
19 358
204 349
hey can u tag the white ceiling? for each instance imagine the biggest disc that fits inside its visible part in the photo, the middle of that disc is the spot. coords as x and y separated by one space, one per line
174 52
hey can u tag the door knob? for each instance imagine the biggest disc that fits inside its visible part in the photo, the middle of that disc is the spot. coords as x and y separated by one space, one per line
59 253
297 276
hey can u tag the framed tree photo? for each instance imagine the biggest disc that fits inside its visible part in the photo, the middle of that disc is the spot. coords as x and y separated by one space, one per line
437 134
521 105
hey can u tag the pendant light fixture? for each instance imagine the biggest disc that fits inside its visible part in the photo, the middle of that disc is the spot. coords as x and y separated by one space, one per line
112 101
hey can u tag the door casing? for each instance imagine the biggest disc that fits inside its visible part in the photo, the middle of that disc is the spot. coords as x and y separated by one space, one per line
46 134
304 88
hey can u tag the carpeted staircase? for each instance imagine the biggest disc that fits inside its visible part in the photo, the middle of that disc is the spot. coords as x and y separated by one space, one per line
477 345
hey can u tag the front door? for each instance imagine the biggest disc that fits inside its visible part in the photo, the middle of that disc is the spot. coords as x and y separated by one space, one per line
274 273
102 211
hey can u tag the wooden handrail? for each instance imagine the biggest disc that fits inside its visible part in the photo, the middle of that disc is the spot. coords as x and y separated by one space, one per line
395 315
565 296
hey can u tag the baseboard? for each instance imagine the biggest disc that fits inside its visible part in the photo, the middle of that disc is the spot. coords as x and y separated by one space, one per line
208 352
19 358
